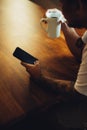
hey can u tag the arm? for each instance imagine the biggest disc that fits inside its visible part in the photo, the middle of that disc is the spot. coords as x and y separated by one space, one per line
54 85
64 89
60 87
73 40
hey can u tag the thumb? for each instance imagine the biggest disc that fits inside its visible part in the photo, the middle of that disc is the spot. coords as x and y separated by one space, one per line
26 64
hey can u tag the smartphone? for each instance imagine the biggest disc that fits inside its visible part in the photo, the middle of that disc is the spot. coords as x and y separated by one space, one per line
24 56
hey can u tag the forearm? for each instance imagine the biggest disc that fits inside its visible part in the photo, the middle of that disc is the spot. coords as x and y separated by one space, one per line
55 85
71 38
62 88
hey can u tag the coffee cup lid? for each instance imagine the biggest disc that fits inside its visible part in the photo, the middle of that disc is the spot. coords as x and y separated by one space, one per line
53 13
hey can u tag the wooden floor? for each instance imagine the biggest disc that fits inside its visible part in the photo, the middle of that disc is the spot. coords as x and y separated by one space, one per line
20 26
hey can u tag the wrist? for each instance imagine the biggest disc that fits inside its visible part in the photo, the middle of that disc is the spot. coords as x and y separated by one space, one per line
37 78
64 26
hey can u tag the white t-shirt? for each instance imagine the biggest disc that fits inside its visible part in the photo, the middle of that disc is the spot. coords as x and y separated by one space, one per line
81 82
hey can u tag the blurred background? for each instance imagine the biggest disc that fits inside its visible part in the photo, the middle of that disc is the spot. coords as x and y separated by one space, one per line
48 3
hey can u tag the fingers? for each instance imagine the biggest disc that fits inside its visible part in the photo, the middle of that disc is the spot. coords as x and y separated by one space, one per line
26 65
36 62
33 69
30 65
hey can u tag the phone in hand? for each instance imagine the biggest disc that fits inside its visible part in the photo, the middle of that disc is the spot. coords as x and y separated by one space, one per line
24 56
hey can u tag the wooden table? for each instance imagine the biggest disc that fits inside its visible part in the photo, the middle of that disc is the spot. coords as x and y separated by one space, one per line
20 26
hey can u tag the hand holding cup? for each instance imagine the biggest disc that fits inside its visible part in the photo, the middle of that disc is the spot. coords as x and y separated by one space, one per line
53 18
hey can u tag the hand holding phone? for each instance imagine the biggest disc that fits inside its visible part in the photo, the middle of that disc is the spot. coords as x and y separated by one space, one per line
24 56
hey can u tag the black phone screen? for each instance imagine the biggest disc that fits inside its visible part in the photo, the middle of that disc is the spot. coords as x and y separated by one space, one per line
24 56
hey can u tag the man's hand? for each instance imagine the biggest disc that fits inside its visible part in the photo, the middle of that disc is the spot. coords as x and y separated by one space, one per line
33 70
56 13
